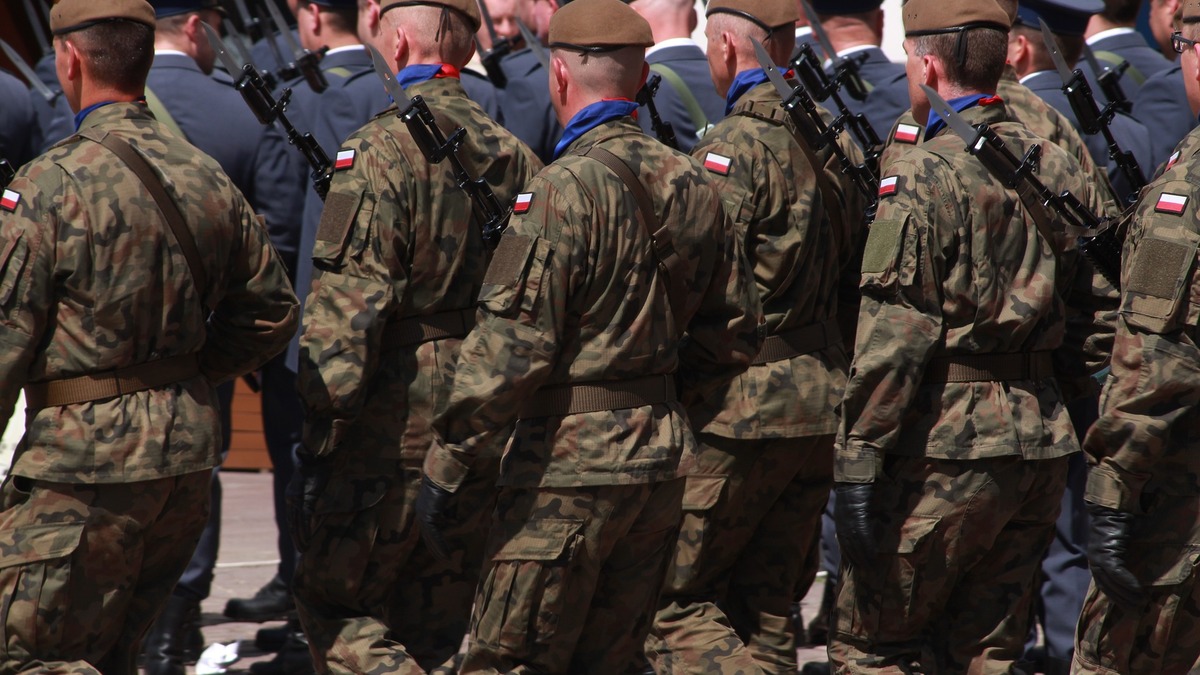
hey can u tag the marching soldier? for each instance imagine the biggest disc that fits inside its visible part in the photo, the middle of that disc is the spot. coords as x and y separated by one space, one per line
135 277
614 252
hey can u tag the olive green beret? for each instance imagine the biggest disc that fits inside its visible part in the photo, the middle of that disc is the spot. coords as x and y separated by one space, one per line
1191 11
770 14
468 8
598 26
73 15
931 17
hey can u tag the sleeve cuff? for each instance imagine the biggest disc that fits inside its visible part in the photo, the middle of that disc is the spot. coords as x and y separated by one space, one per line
444 468
857 465
1110 487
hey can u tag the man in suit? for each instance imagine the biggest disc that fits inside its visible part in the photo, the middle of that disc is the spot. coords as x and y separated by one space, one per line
1161 104
1112 36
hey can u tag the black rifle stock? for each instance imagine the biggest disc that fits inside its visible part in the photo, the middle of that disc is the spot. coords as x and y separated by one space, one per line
1093 120
808 69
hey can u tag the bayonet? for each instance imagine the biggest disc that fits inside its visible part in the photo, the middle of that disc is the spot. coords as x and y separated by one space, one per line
35 23
254 89
27 72
242 51
534 44
1097 239
662 128
501 47
436 147
250 23
1109 80
845 70
306 61
286 71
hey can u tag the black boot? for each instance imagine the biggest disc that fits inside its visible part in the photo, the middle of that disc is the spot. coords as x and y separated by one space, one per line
272 601
293 658
818 628
175 639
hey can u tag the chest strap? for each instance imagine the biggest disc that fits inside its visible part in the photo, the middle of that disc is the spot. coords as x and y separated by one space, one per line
113 383
416 330
990 367
798 342
586 397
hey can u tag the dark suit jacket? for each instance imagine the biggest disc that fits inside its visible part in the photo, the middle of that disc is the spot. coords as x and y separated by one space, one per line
1162 105
18 126
525 104
887 96
691 65
1144 60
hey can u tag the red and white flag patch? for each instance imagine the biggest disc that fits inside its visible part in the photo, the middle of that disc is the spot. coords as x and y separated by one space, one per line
1174 158
887 186
524 201
907 133
345 160
718 164
1169 203
9 201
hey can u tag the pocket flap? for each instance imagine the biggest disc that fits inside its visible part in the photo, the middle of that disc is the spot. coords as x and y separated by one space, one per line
702 492
545 539
352 494
34 543
915 530
1181 570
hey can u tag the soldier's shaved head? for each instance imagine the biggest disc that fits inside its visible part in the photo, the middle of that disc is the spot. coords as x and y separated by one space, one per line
117 54
615 74
431 33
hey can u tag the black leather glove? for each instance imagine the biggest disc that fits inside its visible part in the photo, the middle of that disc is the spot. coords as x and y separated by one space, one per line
852 517
433 506
303 491
1108 542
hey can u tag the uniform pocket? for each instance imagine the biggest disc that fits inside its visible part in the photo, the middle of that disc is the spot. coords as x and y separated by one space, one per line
702 492
35 579
1158 274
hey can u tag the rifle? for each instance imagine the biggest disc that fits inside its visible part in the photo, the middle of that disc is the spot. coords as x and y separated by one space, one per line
845 71
803 110
1091 119
1097 238
7 173
304 61
436 147
1109 80
501 47
663 129
807 66
27 72
286 71
241 50
257 95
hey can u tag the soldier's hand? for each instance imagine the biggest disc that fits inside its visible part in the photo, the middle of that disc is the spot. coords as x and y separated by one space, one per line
303 491
1108 543
855 529
433 505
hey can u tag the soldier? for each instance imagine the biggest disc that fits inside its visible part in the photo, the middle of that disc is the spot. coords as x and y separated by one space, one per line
953 448
764 460
1143 493
398 263
118 325
614 251
1112 35
686 97
525 100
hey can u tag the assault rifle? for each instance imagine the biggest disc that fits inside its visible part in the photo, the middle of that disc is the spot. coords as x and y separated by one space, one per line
1109 80
662 128
1091 118
436 147
845 71
805 114
304 61
1097 239
267 109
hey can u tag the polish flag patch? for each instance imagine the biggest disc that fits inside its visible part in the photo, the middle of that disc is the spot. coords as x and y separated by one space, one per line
1169 203
718 164
345 160
9 201
1174 158
887 186
524 201
907 133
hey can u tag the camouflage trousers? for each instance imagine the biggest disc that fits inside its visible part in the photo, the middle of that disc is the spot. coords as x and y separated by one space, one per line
371 596
1163 635
751 516
573 578
960 545
85 569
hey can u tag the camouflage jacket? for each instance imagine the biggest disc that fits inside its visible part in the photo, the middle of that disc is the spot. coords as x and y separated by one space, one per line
798 252
91 280
574 295
955 266
397 240
1146 439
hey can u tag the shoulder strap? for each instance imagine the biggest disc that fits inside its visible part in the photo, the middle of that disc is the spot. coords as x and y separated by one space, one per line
660 238
160 112
699 119
170 210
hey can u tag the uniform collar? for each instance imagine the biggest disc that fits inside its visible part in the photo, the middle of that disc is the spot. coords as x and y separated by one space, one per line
742 83
975 109
423 72
591 117
96 114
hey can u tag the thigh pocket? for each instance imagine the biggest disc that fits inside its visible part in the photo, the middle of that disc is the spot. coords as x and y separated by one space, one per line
35 579
525 592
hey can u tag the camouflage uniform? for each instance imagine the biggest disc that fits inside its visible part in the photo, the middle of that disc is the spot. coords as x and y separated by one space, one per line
1143 448
398 248
765 463
590 501
107 497
968 467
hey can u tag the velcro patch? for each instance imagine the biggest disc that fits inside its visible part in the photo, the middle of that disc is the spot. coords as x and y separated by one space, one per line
1170 203
718 164
345 160
887 186
523 202
9 201
907 133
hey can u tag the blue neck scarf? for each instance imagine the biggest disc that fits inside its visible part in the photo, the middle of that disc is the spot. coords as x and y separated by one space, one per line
742 83
79 116
959 104
423 72
591 117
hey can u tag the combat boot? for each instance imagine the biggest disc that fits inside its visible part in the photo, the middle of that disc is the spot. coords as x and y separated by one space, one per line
293 657
272 601
175 639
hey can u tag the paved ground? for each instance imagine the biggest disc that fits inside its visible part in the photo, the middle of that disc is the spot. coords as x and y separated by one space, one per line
248 560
